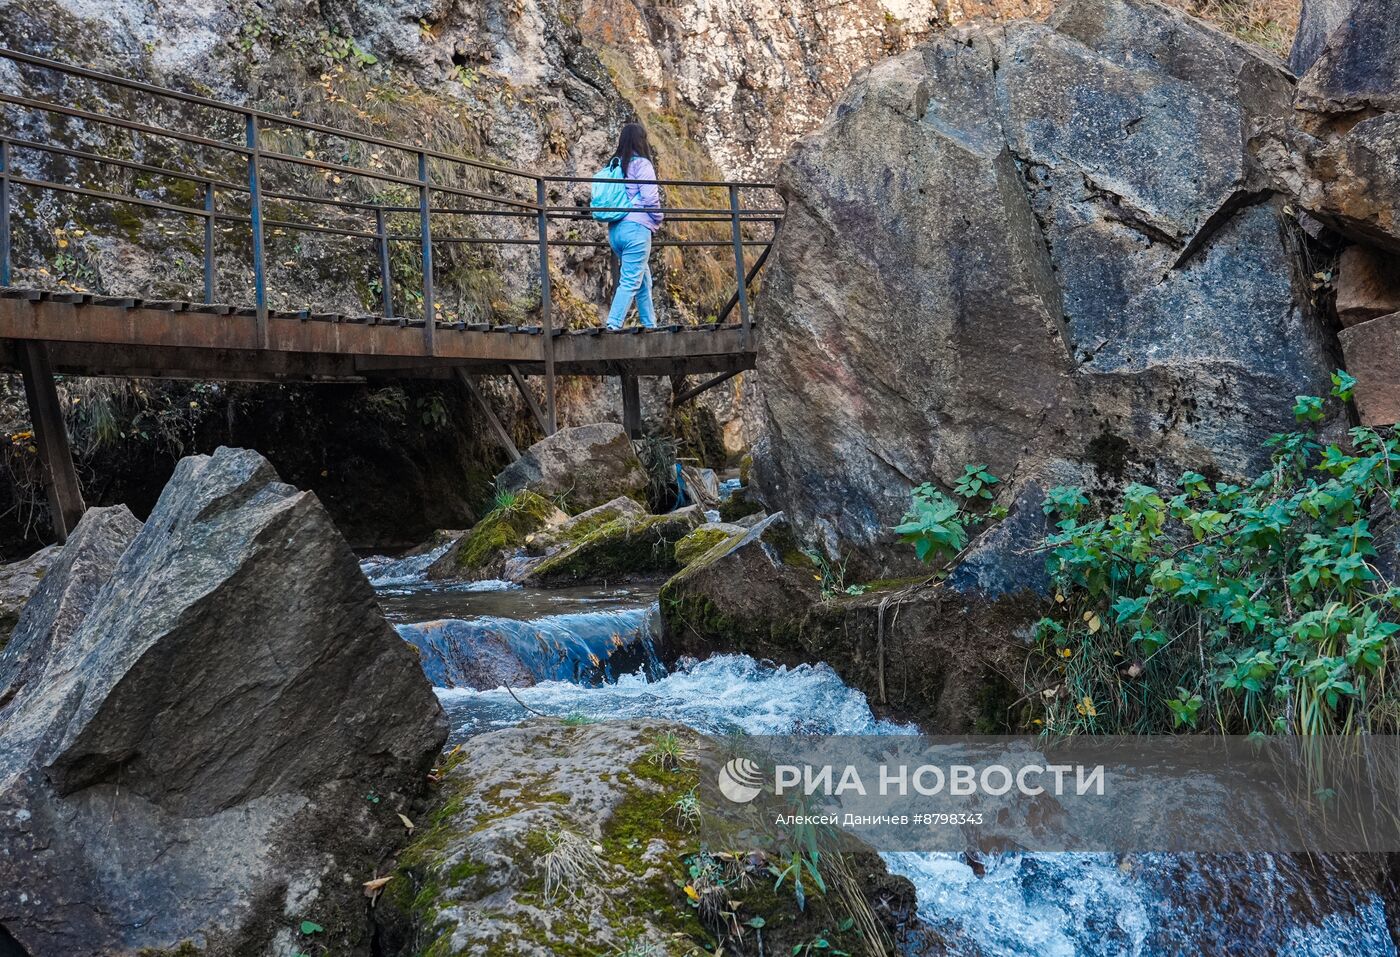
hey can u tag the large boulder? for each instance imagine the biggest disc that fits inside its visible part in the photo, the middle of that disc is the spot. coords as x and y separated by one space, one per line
748 595
208 733
600 840
1346 130
582 467
1038 248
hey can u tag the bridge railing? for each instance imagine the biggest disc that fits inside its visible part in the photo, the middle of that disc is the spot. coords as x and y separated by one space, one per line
238 181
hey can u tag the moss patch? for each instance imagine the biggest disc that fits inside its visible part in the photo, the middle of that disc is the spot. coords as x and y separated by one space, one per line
701 541
503 530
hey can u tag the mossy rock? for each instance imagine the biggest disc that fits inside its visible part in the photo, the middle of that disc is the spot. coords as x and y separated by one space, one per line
747 595
482 552
584 524
704 539
620 550
603 797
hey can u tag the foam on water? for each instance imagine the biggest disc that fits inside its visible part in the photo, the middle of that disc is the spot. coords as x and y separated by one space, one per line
722 694
1022 905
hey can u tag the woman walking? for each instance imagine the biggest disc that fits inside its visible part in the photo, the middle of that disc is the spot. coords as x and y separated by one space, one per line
630 237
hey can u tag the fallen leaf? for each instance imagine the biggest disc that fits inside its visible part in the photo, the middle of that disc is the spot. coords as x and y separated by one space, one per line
374 887
407 823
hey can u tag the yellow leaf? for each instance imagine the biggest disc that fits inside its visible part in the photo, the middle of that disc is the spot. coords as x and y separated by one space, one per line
1086 707
372 888
1066 653
692 893
1094 624
407 823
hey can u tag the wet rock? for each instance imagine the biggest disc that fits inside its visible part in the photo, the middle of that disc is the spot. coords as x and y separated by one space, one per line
191 729
749 597
1368 285
17 582
1025 245
708 536
600 800
484 551
584 467
623 549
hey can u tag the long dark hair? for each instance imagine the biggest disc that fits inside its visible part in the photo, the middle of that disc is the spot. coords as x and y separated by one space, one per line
633 143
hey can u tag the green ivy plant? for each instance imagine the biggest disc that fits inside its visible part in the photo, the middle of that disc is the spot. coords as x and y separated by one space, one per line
1230 608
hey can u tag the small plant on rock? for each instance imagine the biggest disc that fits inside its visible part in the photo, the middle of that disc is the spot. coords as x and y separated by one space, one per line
667 752
937 524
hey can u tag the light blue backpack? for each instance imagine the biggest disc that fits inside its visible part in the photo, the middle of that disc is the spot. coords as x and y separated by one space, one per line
610 201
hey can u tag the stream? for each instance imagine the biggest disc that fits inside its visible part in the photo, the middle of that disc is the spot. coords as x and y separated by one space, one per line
592 652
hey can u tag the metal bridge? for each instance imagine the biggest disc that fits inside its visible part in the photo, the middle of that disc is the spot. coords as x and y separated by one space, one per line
247 177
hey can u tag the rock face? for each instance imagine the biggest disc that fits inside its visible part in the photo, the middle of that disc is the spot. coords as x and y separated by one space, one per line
597 803
192 722
1347 127
1041 248
585 466
1345 154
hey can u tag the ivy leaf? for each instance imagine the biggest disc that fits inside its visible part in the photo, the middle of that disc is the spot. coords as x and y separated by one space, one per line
309 927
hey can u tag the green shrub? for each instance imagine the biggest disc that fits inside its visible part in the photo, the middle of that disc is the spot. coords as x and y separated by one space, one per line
1229 608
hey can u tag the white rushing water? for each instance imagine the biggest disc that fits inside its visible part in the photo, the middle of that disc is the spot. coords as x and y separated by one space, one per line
1019 905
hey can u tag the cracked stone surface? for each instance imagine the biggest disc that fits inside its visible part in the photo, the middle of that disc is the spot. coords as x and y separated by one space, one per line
1052 249
191 716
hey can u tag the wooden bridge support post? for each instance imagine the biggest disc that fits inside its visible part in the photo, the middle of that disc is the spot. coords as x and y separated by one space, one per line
631 406
51 437
497 429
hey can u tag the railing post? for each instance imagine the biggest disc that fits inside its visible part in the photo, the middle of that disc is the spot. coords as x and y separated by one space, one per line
4 213
255 211
208 242
429 319
385 282
546 320
740 273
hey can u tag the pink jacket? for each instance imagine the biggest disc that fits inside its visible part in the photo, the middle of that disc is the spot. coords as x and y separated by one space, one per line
645 196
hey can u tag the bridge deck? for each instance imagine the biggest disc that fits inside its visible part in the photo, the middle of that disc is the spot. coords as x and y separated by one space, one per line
243 187
106 335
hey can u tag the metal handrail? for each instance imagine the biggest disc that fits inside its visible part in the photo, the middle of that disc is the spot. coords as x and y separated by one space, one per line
253 153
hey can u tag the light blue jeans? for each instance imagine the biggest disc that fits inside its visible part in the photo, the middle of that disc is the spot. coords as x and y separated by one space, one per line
632 243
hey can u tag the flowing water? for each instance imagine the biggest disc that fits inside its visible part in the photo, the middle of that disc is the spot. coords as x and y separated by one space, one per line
592 652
